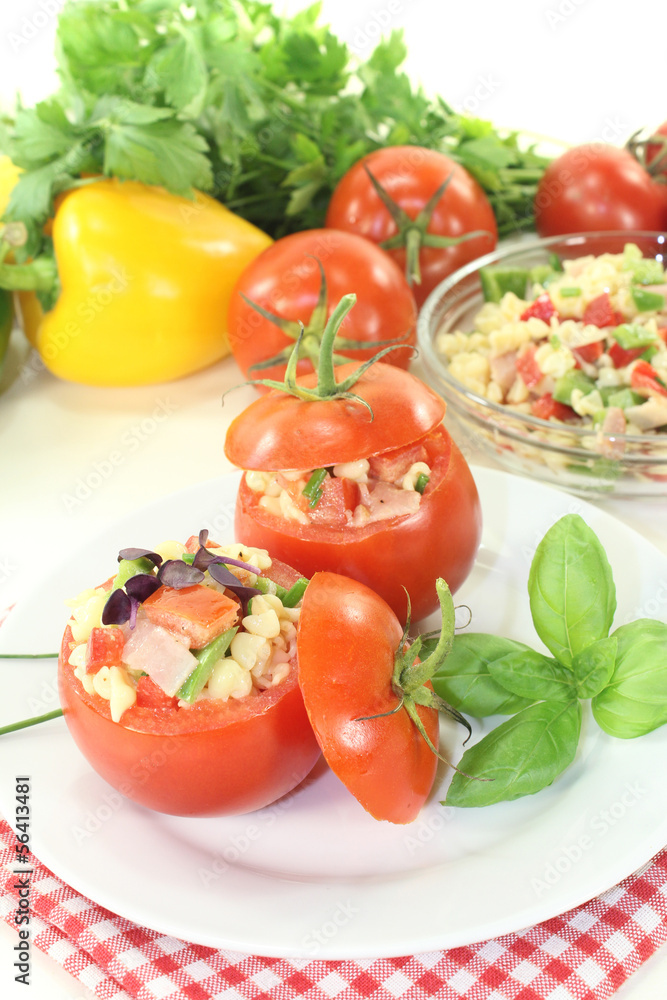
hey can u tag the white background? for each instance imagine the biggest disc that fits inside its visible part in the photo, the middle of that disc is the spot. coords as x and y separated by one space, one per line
572 70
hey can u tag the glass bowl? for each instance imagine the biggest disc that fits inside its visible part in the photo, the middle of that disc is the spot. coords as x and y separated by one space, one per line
576 458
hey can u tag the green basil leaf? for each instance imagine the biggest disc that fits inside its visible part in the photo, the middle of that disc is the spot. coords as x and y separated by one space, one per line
593 666
533 676
635 700
571 589
464 679
521 756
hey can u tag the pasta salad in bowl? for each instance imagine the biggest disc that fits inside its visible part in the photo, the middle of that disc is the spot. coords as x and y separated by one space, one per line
552 357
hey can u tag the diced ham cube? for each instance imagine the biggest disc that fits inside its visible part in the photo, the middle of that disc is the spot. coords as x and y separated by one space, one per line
385 501
503 370
198 613
159 654
614 423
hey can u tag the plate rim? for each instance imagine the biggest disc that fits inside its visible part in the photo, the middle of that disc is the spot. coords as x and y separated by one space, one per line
634 859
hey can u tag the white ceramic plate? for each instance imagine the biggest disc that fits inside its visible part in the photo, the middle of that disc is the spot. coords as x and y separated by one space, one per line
314 875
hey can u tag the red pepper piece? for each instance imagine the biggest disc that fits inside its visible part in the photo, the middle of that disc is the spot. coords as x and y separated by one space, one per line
104 649
339 495
392 465
644 380
151 695
542 308
599 312
621 356
589 353
528 368
548 408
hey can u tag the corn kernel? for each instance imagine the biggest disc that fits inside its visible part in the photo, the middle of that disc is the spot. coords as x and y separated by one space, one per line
229 680
416 470
102 683
266 624
122 694
87 614
86 679
257 481
77 658
246 649
358 471
170 550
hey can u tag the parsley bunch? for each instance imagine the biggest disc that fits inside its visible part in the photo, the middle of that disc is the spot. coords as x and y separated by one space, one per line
265 112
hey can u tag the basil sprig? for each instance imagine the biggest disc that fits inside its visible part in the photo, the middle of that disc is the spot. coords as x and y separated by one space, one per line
572 601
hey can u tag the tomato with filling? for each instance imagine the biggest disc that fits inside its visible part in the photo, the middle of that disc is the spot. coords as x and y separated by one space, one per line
399 553
210 758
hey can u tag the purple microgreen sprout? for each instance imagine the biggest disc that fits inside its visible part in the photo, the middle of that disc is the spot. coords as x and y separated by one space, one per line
142 586
117 609
132 554
177 574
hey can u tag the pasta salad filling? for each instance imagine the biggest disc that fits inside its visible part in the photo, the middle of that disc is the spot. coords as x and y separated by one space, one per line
183 624
586 345
351 494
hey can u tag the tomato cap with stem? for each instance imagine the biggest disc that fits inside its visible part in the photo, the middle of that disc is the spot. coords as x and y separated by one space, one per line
367 695
413 233
309 335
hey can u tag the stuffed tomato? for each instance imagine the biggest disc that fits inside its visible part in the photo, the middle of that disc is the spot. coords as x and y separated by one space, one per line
178 679
363 482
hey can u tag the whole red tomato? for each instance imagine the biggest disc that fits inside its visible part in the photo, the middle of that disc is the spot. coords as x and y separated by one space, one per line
656 153
348 640
397 553
212 758
410 176
287 281
596 187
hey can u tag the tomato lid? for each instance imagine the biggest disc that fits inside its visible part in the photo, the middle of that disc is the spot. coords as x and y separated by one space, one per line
347 642
280 431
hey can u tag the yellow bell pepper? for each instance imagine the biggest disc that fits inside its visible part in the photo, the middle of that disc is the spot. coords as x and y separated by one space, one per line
28 302
9 175
145 281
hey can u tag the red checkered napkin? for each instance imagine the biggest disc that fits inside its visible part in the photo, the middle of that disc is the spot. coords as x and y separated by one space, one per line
585 954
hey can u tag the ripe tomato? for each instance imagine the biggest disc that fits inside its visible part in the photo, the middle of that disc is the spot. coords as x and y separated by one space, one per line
212 758
281 432
656 153
596 187
348 638
411 175
286 281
